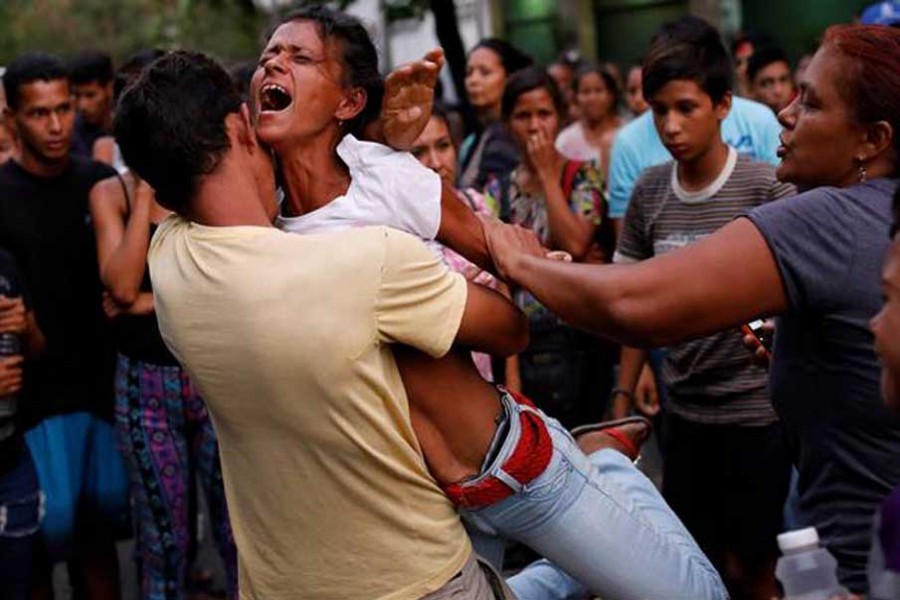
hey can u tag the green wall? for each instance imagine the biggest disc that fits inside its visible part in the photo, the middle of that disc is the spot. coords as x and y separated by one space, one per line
624 27
533 26
797 24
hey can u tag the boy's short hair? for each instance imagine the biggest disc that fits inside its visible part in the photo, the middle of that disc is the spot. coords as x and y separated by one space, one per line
170 124
28 68
762 58
88 67
689 48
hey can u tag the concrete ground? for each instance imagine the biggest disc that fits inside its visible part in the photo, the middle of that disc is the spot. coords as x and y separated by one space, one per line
207 560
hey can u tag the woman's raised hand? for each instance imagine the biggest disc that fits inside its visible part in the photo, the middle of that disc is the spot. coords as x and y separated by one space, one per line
408 97
542 155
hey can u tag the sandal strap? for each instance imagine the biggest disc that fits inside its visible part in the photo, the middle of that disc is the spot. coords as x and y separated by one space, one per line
616 434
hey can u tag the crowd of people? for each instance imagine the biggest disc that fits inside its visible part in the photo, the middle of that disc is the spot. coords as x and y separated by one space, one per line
389 348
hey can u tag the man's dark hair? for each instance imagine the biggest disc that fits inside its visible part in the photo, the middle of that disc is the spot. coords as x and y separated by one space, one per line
358 54
689 48
762 58
88 67
28 68
527 80
170 124
133 66
511 57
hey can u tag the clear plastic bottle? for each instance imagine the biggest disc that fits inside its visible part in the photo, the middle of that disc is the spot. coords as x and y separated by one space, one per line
806 570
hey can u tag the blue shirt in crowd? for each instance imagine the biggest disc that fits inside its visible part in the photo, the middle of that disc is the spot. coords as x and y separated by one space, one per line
750 128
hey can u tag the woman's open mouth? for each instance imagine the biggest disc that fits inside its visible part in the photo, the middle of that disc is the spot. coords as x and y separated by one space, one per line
274 98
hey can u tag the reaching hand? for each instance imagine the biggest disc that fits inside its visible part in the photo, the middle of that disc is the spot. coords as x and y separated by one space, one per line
10 374
408 97
12 315
761 356
110 307
646 395
506 243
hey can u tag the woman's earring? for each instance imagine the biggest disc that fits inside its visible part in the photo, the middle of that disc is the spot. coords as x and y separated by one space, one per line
861 169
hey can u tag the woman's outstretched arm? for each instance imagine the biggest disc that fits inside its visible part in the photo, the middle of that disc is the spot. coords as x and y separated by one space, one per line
722 281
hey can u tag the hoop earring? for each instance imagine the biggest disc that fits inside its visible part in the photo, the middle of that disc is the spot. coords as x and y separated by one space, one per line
861 172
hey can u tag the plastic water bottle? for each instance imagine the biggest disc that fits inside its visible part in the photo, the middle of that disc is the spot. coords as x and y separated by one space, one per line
10 344
806 570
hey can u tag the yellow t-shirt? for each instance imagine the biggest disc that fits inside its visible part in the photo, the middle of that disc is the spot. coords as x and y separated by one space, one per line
288 338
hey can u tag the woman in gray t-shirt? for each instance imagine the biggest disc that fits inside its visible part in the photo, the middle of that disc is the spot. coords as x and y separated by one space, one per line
814 259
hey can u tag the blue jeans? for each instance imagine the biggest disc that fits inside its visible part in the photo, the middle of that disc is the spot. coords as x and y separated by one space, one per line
21 510
599 519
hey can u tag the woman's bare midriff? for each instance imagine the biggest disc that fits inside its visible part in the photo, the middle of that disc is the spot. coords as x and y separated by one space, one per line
453 411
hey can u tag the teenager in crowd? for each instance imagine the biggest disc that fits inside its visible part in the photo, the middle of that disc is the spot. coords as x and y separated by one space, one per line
634 93
750 128
771 80
67 397
719 417
813 259
563 71
489 151
590 137
92 84
742 49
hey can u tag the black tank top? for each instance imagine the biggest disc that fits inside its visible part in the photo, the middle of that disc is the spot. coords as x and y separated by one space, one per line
138 337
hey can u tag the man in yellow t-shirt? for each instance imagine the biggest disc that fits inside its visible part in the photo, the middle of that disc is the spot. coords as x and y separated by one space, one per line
288 338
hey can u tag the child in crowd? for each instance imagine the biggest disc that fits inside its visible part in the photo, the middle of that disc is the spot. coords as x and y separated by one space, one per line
726 469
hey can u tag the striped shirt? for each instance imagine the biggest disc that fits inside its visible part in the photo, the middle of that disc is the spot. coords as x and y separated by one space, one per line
711 379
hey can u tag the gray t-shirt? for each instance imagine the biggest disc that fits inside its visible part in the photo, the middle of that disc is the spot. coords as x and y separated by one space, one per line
711 379
830 245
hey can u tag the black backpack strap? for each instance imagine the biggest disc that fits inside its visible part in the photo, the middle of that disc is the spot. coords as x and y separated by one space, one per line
505 208
467 194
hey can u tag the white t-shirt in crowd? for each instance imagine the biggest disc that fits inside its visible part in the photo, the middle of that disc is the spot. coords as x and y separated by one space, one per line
573 144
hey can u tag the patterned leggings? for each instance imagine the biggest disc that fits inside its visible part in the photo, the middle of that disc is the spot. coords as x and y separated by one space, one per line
167 439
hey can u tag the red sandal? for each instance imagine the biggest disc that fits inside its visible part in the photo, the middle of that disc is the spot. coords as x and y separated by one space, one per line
612 429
